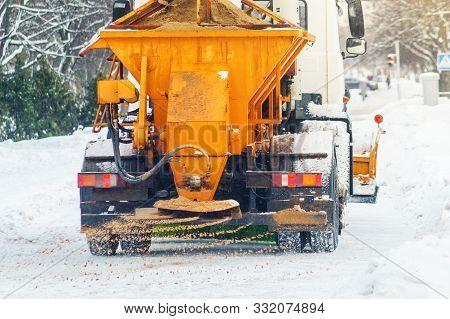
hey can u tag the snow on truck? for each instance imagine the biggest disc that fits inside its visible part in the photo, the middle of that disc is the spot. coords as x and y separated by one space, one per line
225 132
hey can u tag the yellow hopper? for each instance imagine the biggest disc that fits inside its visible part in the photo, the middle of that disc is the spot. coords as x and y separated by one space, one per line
207 85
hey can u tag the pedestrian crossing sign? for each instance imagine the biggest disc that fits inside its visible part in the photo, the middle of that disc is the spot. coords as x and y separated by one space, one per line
443 61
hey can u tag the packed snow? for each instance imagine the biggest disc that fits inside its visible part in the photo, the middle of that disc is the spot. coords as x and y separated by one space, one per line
397 248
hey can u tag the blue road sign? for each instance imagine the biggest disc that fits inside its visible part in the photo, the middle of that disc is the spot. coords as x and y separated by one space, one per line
443 61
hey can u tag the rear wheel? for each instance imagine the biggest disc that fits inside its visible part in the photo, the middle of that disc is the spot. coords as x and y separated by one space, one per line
136 244
324 241
103 245
291 241
327 241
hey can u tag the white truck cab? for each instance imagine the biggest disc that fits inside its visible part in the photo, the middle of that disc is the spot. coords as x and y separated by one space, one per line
321 66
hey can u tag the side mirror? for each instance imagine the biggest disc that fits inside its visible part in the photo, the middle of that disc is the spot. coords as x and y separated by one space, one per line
356 46
356 18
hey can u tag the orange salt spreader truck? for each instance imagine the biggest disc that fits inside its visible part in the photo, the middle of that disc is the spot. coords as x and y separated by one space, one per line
215 138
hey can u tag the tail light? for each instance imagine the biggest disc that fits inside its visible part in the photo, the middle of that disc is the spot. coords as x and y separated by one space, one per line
296 180
100 180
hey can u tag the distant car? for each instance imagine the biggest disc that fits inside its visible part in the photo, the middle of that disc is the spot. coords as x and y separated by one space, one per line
352 83
372 85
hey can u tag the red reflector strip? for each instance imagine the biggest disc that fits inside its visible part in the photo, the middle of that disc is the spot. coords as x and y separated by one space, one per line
107 180
296 180
291 180
99 180
86 180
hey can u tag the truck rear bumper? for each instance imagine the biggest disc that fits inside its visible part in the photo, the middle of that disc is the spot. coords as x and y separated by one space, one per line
317 216
287 220
290 219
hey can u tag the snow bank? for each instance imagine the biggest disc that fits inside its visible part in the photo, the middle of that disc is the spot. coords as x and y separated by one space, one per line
38 183
414 174
427 261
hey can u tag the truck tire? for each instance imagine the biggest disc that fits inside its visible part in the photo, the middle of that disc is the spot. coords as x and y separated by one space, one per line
291 241
327 241
324 241
136 244
103 245
135 247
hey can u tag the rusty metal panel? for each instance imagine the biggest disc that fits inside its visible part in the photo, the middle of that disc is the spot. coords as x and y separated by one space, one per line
198 96
297 216
197 114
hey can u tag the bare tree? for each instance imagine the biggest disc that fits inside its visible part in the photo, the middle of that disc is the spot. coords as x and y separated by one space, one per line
421 26
8 29
55 30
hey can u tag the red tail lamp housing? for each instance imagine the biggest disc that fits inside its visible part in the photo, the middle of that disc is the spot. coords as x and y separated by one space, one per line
100 180
296 180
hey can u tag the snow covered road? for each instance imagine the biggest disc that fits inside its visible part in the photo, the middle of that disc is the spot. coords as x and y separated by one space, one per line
186 269
398 248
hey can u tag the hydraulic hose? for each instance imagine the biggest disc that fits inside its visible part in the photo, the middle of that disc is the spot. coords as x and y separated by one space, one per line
131 179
